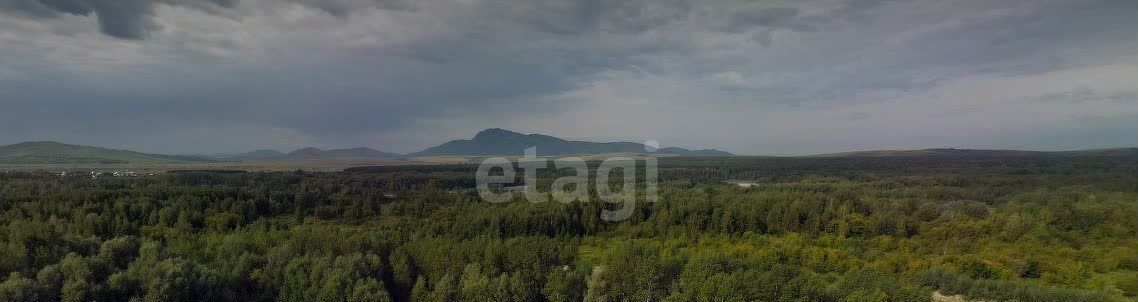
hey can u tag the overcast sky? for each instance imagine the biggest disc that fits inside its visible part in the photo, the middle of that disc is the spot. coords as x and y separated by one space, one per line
750 77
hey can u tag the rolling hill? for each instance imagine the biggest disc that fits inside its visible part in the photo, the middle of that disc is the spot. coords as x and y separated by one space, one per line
59 153
485 143
504 142
309 153
253 155
314 153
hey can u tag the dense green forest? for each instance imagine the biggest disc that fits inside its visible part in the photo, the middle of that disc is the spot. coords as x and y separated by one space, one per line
833 229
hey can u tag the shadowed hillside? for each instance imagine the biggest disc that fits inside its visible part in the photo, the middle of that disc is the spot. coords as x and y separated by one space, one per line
312 153
504 142
59 153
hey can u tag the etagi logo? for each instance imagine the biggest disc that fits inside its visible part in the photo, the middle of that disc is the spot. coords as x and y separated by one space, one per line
579 181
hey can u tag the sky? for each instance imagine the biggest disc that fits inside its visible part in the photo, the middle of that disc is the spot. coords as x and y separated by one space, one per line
749 77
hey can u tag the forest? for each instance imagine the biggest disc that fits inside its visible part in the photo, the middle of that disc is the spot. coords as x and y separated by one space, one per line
809 229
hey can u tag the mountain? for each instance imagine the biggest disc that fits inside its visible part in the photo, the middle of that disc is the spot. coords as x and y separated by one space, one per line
314 153
952 152
700 152
60 153
504 142
360 152
308 153
255 155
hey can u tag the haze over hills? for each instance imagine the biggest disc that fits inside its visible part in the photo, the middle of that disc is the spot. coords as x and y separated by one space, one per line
252 155
46 152
497 141
485 143
309 153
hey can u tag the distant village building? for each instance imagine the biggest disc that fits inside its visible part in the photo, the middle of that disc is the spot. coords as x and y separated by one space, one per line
742 183
514 189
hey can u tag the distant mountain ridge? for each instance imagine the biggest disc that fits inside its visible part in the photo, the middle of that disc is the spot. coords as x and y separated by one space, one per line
485 143
253 155
311 153
953 152
497 141
46 152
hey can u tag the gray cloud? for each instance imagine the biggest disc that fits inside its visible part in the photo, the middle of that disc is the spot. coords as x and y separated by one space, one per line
775 17
800 76
124 19
37 8
341 8
127 19
569 17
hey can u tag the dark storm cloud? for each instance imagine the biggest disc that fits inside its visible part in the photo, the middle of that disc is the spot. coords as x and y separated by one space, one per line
342 8
124 19
765 17
855 10
576 17
349 72
38 8
76 7
127 19
31 8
